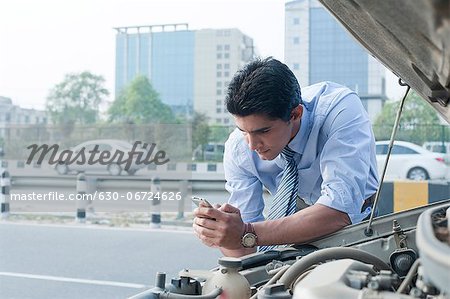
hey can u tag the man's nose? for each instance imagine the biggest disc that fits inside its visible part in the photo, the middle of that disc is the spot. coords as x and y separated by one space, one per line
253 142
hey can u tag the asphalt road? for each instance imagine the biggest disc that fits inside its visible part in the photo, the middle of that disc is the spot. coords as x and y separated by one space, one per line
45 261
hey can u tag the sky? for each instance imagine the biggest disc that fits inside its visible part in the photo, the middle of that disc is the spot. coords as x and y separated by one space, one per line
41 41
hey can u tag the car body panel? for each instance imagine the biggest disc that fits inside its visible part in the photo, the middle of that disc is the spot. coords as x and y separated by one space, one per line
406 156
410 37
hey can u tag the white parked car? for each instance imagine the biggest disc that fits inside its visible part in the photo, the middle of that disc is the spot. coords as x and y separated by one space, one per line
111 156
211 151
411 161
437 146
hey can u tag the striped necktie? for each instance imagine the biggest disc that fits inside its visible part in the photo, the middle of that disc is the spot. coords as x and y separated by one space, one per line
284 202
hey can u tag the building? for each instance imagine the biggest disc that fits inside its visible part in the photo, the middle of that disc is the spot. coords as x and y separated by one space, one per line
14 117
190 69
317 48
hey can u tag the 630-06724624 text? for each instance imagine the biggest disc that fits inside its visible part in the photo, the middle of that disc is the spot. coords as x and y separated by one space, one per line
97 195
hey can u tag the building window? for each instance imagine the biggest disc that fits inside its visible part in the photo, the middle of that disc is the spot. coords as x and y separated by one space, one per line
219 102
296 66
219 92
219 47
226 74
212 167
296 40
219 66
226 120
227 47
219 55
192 167
226 55
218 110
218 84
296 21
226 66
218 120
27 119
219 74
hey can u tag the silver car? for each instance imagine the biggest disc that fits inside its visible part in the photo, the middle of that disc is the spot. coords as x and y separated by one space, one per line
102 155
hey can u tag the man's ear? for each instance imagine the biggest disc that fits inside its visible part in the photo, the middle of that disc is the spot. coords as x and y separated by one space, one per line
297 112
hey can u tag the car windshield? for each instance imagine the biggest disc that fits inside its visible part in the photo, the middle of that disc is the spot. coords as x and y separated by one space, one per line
147 81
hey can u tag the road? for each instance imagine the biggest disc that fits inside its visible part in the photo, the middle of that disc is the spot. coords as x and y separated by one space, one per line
50 261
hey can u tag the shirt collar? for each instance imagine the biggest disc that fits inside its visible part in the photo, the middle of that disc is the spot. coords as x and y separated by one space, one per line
298 143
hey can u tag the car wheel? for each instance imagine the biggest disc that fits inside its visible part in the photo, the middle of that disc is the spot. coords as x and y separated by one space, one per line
114 169
62 169
417 174
131 171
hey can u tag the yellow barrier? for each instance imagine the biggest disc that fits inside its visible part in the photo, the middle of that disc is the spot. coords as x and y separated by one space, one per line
410 194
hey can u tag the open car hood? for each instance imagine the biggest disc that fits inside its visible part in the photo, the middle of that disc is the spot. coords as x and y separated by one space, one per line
410 37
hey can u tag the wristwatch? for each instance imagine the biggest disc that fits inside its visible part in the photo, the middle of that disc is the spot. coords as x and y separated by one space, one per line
249 239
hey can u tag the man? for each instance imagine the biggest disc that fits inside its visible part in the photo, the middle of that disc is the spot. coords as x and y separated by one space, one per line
315 153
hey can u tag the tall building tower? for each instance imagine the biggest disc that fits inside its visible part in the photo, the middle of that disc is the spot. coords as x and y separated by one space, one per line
317 48
190 69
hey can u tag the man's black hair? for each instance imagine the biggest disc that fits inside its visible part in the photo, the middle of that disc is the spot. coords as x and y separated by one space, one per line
265 87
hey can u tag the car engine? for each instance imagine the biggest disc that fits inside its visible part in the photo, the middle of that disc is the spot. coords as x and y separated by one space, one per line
404 255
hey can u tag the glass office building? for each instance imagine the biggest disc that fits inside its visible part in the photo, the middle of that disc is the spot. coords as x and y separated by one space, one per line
190 69
317 48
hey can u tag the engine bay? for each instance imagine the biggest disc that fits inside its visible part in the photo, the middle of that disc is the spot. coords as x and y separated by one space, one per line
406 255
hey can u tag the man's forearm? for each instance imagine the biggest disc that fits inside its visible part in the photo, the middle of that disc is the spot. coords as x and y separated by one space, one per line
306 225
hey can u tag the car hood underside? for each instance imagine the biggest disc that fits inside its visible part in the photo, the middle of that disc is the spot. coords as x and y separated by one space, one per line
410 37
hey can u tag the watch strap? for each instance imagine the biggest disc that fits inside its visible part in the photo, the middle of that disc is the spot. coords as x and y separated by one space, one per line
249 228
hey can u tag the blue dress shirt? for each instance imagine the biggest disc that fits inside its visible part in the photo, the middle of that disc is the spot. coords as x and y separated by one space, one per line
334 151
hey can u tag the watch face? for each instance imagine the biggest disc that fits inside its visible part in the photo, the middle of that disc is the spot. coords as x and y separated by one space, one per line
249 240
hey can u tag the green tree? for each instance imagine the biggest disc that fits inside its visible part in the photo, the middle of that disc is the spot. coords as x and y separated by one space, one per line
220 133
418 122
139 103
76 100
200 130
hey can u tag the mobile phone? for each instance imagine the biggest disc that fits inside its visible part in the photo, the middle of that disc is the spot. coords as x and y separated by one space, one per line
197 200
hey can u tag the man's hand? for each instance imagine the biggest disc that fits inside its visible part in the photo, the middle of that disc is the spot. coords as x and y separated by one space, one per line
224 231
227 229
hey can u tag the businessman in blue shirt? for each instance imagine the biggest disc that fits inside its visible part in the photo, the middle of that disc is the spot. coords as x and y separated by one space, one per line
313 150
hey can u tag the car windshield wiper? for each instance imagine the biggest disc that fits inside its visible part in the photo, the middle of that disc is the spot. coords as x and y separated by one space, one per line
369 231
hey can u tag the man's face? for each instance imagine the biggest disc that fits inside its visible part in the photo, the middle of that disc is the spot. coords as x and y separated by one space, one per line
267 136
